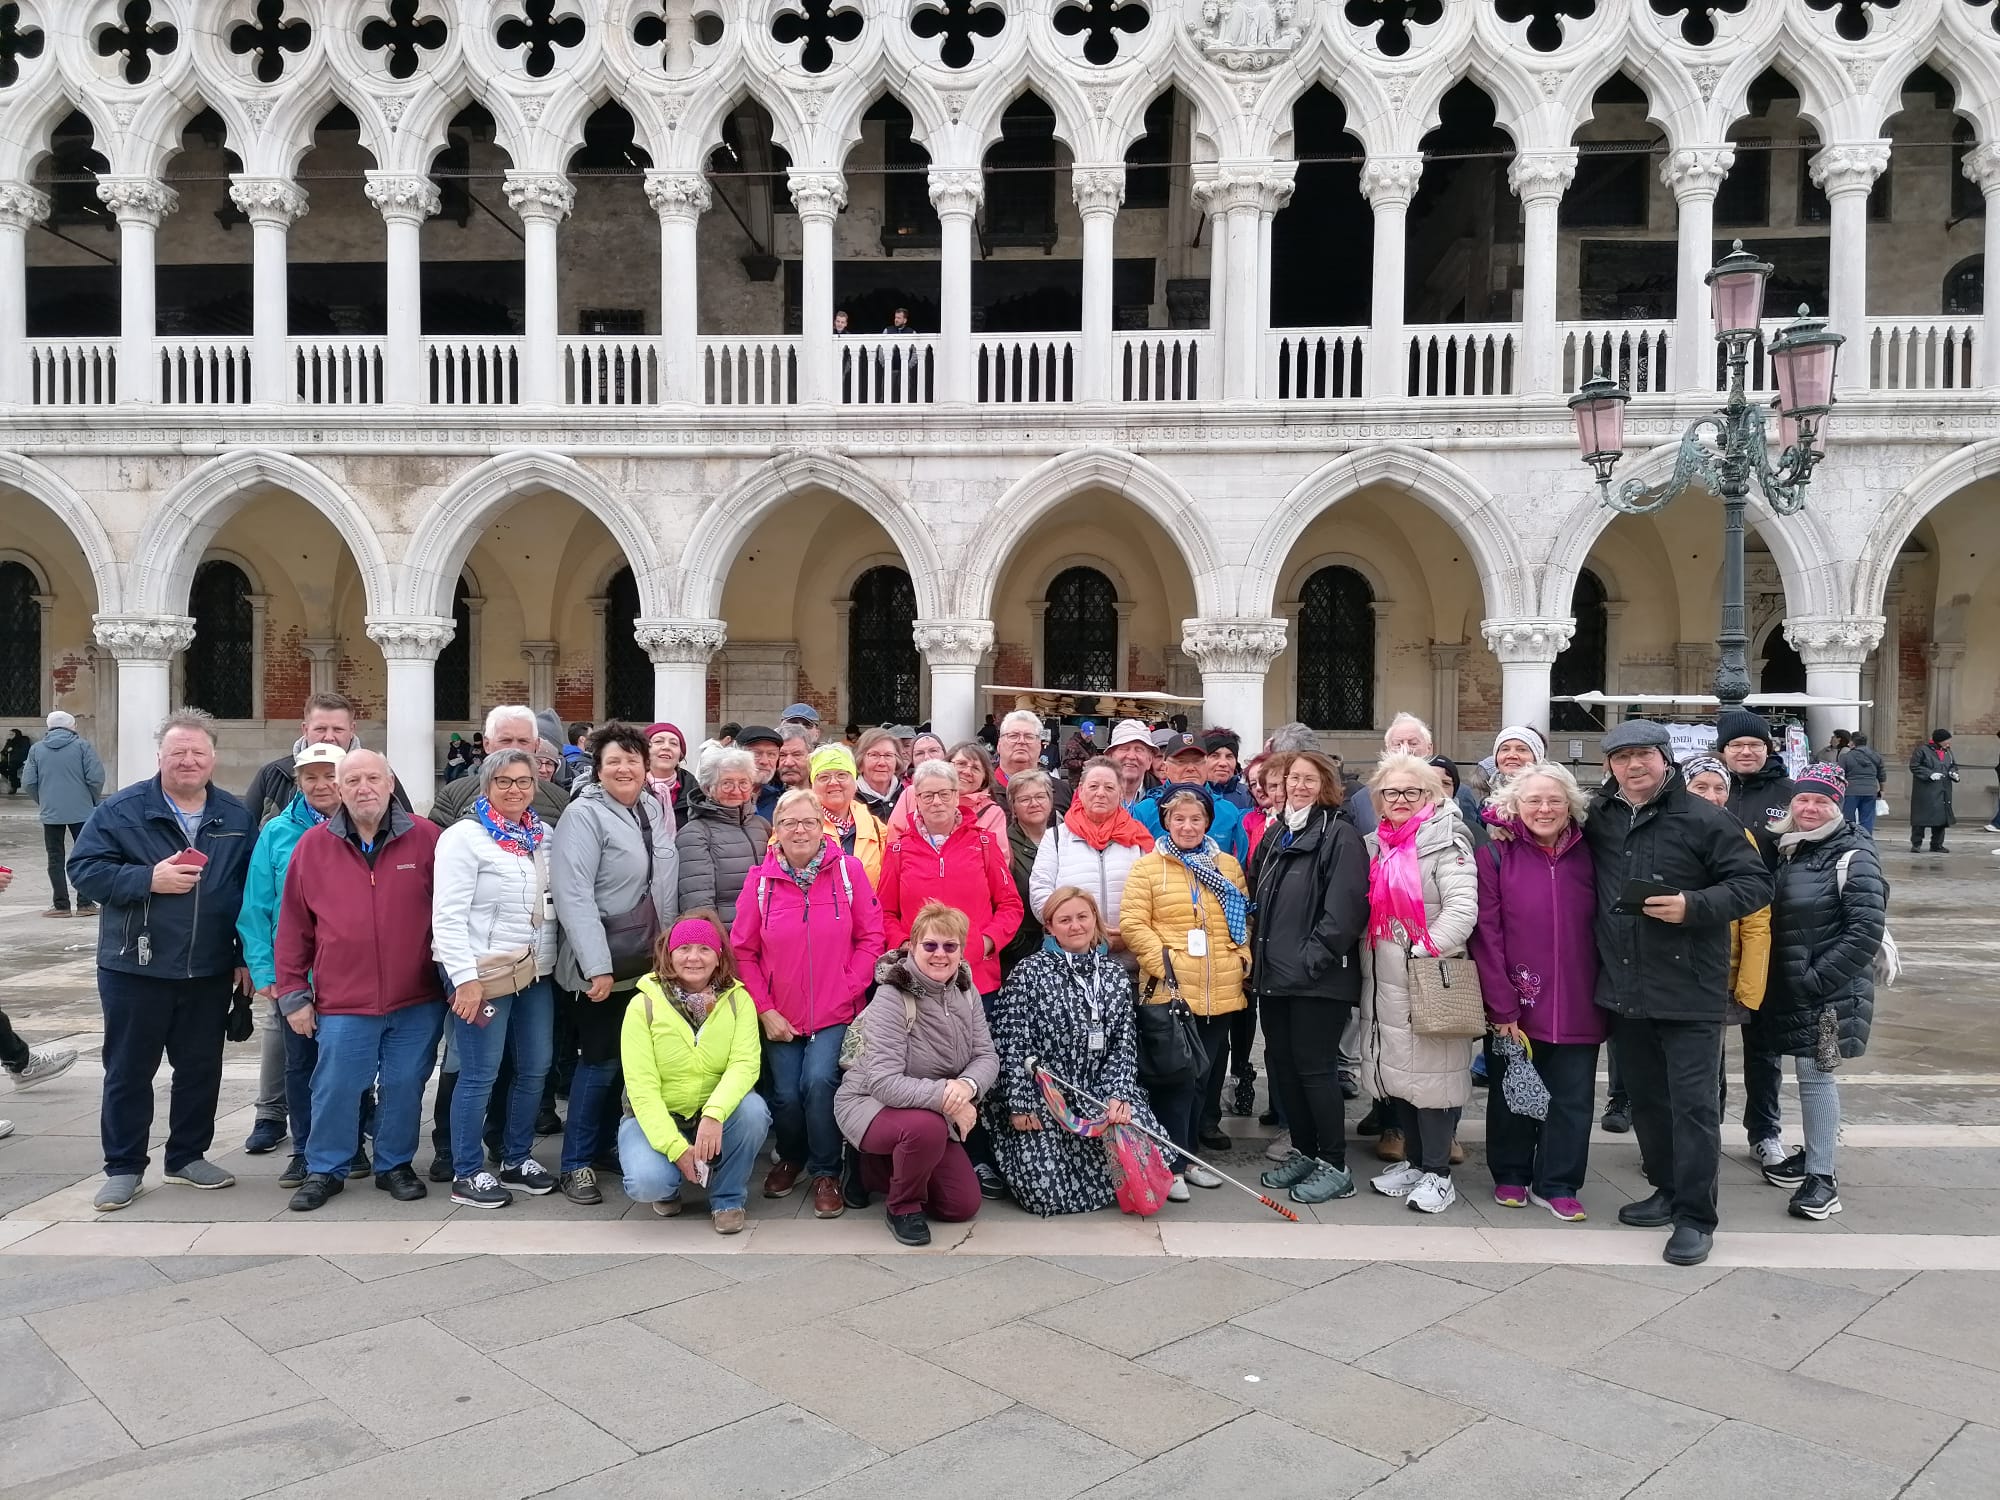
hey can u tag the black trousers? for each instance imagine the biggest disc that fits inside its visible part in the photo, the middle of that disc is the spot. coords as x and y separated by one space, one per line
145 1019
1214 1033
1937 835
1242 1034
1670 1069
52 841
1302 1056
13 1051
1551 1156
1427 1136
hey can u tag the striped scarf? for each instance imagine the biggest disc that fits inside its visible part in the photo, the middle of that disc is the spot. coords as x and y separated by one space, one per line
1200 863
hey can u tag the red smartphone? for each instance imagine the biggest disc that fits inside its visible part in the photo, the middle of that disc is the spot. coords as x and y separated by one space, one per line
193 858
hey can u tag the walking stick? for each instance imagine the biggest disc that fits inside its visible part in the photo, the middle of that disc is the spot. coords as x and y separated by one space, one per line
1034 1065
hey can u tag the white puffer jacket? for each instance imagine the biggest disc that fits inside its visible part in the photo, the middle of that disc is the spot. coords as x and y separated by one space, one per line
485 900
1064 859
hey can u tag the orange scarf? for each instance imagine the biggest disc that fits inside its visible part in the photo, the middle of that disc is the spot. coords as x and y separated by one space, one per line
1117 827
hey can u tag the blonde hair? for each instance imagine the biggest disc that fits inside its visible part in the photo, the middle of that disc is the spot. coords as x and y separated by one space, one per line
945 921
797 796
1419 770
1506 798
1062 895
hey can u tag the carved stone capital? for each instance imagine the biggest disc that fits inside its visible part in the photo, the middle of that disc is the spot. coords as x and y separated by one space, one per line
1848 167
1391 181
138 200
817 195
403 197
144 637
540 195
414 638
1521 641
21 206
1098 190
683 642
1835 640
268 200
678 195
1542 175
1981 166
956 193
1696 171
954 643
1227 192
1241 647
539 653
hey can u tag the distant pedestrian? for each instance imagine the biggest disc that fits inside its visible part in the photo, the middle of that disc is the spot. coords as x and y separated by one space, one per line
26 1065
1861 764
1933 773
65 777
13 756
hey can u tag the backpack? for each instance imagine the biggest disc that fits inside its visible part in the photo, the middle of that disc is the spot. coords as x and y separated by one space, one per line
1889 957
764 888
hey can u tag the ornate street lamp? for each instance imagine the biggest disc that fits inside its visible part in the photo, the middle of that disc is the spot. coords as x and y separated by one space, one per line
1726 451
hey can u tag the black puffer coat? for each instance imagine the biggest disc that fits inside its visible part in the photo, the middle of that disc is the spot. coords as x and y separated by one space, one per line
1823 944
718 846
1311 890
1759 800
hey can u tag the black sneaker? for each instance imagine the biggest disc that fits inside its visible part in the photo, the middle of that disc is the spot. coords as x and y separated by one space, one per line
480 1190
402 1184
852 1190
315 1190
1269 1119
1370 1123
1791 1172
530 1177
991 1185
360 1166
265 1136
294 1173
910 1229
1817 1198
1687 1246
1617 1117
440 1169
1215 1140
580 1186
548 1122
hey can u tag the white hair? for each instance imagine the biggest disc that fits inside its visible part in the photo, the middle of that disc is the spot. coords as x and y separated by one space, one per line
718 759
1293 736
934 770
1401 719
1506 798
198 719
1025 717
507 713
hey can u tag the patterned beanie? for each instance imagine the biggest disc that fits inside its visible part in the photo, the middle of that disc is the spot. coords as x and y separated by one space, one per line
1826 779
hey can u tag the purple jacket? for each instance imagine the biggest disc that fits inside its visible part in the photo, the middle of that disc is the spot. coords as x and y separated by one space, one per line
810 959
1534 945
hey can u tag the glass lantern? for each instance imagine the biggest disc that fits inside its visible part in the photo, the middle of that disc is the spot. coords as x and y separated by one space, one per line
1736 293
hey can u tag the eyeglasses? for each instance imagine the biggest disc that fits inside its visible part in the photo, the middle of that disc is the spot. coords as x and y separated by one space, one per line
943 795
940 945
1401 794
512 783
795 824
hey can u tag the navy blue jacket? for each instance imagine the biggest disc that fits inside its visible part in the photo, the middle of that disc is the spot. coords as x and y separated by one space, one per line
112 864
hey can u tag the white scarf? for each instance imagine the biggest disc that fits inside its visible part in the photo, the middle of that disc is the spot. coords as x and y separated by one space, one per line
1295 817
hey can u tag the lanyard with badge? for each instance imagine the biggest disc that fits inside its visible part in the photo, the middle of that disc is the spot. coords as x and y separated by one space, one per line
1092 997
1197 938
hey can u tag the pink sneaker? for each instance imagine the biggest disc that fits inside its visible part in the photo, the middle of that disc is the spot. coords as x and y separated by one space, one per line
1510 1197
1566 1209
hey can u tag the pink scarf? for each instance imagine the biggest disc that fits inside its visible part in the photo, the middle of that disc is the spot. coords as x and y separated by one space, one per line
1396 885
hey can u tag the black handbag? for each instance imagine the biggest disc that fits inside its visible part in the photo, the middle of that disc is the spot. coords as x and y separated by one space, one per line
1170 1052
241 1022
631 935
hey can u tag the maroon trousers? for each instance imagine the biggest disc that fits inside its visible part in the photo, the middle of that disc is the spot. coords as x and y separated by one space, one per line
909 1154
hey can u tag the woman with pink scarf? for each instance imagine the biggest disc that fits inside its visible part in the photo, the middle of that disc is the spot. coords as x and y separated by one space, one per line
1423 898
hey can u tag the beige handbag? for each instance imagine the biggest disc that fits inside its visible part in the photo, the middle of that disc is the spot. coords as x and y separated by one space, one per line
1444 997
513 970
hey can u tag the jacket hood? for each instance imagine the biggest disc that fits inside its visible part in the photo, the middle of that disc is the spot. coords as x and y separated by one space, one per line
301 812
896 968
1773 770
55 739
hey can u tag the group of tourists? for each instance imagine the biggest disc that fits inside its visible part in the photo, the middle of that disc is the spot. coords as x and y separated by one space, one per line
942 975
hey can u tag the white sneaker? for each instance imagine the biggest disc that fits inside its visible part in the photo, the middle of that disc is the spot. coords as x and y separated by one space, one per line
1771 1153
6 1129
1178 1193
1433 1194
43 1064
1280 1148
1399 1181
1199 1176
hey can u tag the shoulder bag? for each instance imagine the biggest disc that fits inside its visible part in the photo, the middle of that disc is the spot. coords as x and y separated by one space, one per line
631 934
1170 1052
1444 997
513 970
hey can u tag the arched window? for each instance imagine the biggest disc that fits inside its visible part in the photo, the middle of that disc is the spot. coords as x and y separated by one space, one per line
1080 633
451 683
1783 672
628 671
20 643
218 663
1581 668
1337 650
882 661
1965 288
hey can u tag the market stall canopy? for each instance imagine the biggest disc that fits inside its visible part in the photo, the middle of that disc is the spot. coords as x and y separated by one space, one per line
1069 703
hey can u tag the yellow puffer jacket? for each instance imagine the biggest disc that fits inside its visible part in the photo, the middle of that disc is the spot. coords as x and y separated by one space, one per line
1155 915
1749 955
871 837
673 1074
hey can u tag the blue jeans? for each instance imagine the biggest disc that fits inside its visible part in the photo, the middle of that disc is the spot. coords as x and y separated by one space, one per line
301 1057
354 1051
804 1076
651 1178
527 1019
1763 1077
1860 811
590 1087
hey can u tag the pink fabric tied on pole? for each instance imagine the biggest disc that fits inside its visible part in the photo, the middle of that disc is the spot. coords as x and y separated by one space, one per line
1139 1173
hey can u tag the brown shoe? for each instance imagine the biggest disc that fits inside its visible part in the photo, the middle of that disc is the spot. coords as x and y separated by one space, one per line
1389 1146
727 1220
56 911
668 1208
781 1179
1457 1153
827 1202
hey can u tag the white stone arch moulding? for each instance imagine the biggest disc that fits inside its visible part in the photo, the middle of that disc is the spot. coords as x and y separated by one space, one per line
1449 492
178 532
451 528
77 518
33 564
730 520
1907 509
1030 499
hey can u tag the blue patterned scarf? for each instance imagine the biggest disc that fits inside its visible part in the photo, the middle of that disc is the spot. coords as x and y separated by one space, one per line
522 838
1201 865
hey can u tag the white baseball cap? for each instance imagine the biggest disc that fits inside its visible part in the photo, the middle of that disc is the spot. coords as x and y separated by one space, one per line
1131 732
319 755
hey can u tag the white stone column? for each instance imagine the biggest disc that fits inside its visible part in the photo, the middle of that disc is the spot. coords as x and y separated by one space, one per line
145 647
1539 180
1834 649
1447 658
272 204
680 199
1389 183
405 200
323 662
819 197
1694 174
955 194
410 649
1099 193
1234 655
1239 201
1888 692
541 659
680 650
140 204
953 649
1982 166
1527 650
1846 173
542 200
21 208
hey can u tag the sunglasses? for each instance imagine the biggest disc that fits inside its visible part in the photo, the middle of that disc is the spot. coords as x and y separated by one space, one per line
940 945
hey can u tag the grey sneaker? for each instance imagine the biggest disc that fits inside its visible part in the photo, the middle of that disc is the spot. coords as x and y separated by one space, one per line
43 1064
1280 1148
1326 1183
117 1192
6 1129
1295 1169
202 1173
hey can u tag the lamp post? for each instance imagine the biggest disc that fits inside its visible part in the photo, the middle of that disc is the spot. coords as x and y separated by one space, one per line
1726 450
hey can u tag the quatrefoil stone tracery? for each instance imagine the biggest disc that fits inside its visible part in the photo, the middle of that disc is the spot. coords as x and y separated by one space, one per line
269 38
139 38
1100 23
954 24
404 36
818 24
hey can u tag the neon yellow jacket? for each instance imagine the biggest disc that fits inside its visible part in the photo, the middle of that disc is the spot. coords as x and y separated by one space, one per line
673 1074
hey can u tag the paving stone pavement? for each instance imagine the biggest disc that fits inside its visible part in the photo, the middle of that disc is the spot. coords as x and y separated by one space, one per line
213 1346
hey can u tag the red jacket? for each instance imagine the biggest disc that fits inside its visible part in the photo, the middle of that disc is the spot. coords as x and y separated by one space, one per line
971 872
356 941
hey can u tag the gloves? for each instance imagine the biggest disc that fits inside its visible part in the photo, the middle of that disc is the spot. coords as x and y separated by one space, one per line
1953 775
1937 776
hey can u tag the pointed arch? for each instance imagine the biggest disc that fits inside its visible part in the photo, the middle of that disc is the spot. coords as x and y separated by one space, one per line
68 507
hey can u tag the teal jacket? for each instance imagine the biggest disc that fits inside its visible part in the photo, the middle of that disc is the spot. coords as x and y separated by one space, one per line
264 887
